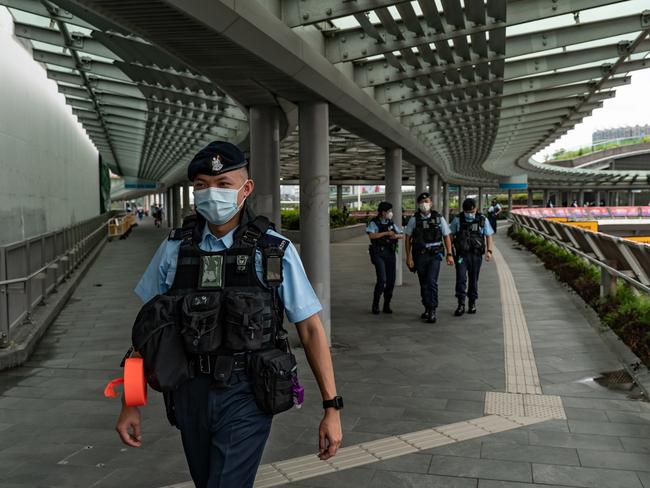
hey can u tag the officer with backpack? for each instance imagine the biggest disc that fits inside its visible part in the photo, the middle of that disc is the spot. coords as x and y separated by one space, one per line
384 235
224 282
427 242
472 240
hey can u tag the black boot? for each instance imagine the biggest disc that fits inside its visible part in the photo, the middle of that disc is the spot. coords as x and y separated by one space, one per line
472 307
461 308
425 314
375 306
387 308
431 316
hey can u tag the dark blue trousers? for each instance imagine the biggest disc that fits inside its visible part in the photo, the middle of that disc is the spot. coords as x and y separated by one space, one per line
428 269
385 263
223 431
467 270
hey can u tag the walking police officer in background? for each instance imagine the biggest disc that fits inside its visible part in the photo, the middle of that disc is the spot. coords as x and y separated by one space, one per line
493 212
472 239
384 235
223 425
427 241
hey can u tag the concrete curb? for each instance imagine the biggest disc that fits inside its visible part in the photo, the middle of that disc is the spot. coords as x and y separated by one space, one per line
42 317
630 361
338 234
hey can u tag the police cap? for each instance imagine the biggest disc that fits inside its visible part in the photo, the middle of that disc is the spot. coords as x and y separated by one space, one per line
384 206
423 196
216 158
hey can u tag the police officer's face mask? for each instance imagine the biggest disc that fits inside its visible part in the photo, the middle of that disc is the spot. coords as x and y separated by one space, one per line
425 207
218 205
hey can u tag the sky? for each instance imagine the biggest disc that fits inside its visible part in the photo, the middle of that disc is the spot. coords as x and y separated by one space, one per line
631 106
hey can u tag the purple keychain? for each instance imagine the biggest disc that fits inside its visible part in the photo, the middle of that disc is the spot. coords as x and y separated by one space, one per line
298 392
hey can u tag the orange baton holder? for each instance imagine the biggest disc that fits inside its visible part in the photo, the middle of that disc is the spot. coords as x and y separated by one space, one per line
135 386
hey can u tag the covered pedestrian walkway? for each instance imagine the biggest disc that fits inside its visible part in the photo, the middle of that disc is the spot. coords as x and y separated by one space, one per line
456 384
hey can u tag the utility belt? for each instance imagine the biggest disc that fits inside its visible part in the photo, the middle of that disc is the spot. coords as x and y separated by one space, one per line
432 251
184 337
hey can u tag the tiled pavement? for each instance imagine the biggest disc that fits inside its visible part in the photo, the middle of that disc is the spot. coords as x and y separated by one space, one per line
397 376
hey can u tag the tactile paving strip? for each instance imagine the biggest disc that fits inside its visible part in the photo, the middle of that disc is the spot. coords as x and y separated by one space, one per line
394 446
522 405
521 370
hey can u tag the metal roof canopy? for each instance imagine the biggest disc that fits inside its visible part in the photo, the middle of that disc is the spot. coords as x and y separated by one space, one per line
470 89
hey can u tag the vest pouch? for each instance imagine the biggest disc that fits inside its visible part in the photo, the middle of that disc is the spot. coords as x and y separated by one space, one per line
200 322
271 373
156 337
244 320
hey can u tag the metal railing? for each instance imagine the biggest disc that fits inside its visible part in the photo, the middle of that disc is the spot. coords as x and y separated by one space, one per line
32 269
615 256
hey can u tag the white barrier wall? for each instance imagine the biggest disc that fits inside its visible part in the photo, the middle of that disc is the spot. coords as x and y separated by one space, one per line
49 175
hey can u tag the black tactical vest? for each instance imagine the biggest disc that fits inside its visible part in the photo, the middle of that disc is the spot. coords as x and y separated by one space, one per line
225 307
426 231
384 242
470 238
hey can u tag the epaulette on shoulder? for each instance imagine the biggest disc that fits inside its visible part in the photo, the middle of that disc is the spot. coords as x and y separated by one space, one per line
269 240
179 234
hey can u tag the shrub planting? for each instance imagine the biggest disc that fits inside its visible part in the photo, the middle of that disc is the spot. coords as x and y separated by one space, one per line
627 313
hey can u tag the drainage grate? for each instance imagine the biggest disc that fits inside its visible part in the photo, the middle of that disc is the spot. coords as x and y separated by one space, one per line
615 379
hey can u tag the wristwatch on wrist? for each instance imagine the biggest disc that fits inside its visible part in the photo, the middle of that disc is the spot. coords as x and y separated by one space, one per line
336 402
450 255
490 251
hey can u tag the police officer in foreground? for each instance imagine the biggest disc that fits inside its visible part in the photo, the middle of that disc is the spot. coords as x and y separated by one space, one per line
384 235
427 241
228 278
472 240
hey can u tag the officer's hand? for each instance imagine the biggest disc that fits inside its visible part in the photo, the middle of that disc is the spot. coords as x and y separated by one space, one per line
391 234
488 256
330 434
129 419
398 236
409 263
450 260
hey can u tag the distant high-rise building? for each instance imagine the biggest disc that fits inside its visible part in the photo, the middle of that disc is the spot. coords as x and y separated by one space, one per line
614 133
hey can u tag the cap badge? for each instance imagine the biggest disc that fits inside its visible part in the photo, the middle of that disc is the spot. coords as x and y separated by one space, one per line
217 165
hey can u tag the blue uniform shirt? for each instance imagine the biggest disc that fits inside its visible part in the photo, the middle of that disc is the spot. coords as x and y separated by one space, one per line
296 293
373 229
444 227
455 225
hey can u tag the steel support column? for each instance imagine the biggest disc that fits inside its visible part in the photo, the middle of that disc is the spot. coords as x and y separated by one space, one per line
265 160
547 197
176 204
509 200
530 197
630 198
420 180
314 201
339 197
394 196
186 199
445 200
479 203
581 198
434 189
460 198
168 207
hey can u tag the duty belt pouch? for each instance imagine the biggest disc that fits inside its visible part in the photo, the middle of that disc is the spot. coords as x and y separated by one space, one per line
200 322
244 320
223 371
271 373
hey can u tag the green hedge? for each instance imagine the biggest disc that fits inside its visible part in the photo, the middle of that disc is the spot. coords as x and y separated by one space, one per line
627 313
291 219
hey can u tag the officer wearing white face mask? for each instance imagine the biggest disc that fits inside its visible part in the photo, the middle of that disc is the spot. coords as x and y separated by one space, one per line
427 242
384 235
226 256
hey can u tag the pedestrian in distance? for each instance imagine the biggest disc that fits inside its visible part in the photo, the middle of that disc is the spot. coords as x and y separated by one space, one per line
224 281
472 234
493 212
427 243
384 235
